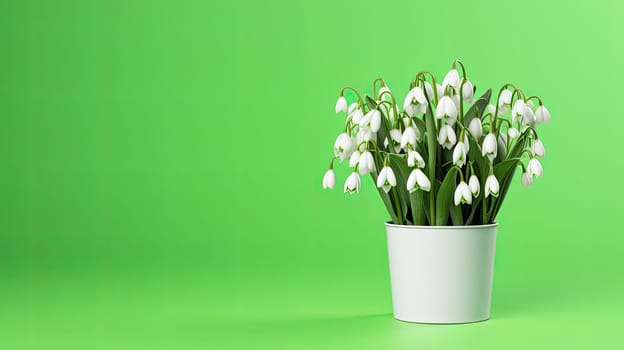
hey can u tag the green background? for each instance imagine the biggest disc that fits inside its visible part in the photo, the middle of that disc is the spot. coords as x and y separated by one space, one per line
161 165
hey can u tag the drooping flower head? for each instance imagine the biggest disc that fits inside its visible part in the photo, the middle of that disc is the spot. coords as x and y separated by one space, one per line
418 180
386 179
462 194
447 137
329 179
352 185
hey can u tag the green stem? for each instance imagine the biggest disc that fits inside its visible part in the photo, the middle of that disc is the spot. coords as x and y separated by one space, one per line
352 89
462 67
484 201
397 203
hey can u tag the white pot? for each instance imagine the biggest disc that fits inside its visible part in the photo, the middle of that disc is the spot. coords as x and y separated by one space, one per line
441 274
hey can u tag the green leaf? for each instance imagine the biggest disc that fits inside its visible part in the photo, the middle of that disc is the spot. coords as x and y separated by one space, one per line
385 197
476 207
419 210
430 168
444 197
478 108
401 172
516 150
474 155
504 173
372 104
456 215
420 124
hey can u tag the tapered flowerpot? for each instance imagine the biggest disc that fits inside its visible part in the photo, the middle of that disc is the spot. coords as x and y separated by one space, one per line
441 274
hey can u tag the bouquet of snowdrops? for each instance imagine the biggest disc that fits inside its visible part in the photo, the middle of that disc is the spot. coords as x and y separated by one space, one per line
445 158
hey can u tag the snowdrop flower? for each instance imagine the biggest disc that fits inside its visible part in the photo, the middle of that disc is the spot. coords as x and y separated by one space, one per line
491 109
439 89
375 122
386 179
410 136
414 159
446 108
384 89
455 99
372 119
357 115
388 111
395 135
475 127
537 148
344 146
489 147
467 91
364 134
352 185
429 90
415 102
447 137
354 159
463 194
542 114
329 179
418 180
535 167
513 133
451 78
367 163
474 185
352 107
459 154
466 143
528 117
527 179
491 186
505 98
518 110
341 105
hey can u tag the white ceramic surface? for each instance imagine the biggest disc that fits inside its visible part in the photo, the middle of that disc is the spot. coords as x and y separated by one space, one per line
441 274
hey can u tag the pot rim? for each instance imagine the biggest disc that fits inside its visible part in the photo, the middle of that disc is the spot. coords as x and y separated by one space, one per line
420 227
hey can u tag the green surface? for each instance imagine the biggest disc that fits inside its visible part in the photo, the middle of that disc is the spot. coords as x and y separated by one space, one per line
161 165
